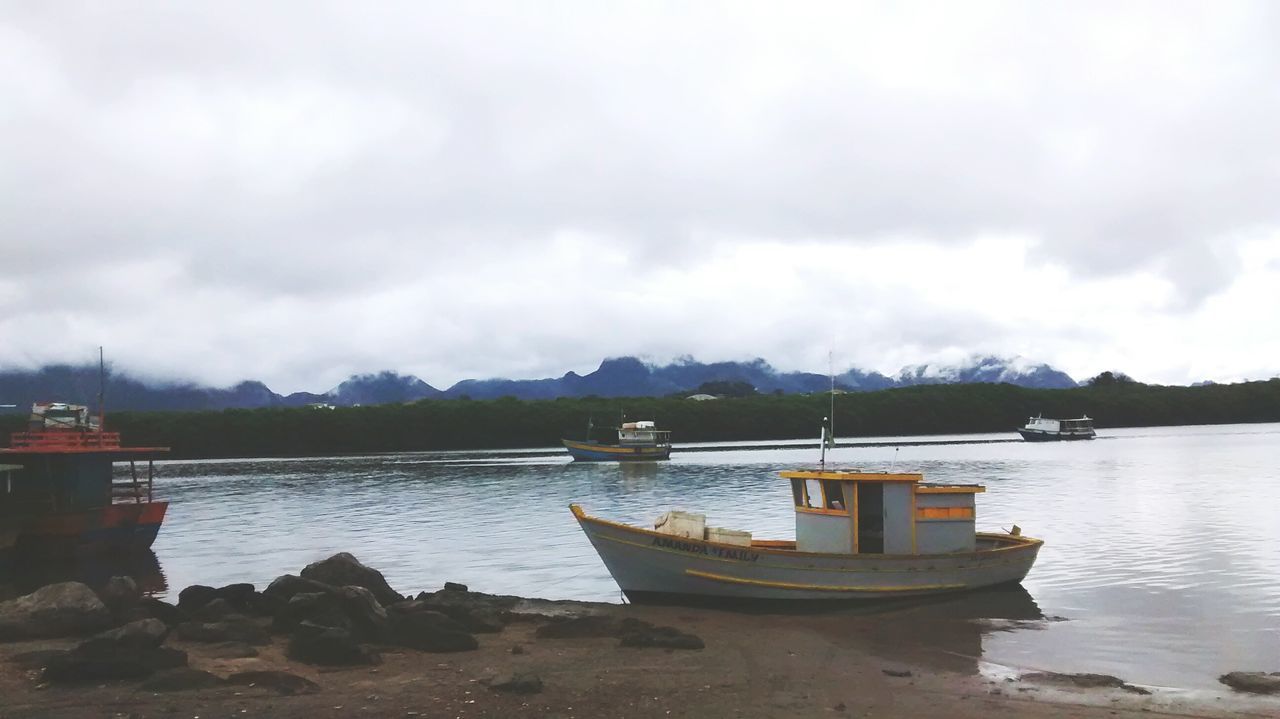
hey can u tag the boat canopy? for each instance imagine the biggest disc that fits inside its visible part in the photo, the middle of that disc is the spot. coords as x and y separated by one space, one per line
881 513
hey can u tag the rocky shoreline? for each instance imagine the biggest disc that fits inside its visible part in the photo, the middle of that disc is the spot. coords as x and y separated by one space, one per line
337 640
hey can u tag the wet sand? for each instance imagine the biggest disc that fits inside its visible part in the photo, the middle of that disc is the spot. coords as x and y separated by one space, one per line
753 665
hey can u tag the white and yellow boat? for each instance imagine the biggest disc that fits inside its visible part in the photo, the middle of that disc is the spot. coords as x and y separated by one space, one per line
859 535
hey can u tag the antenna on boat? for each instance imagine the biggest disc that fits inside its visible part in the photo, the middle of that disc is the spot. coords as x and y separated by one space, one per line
590 424
102 390
831 372
894 460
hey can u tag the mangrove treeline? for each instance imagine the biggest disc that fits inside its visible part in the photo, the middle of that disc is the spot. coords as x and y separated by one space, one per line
510 423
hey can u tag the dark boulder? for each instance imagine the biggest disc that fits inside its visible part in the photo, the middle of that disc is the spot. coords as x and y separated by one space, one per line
96 660
143 633
454 587
212 611
342 570
232 628
517 683
243 597
586 627
430 632
287 585
328 609
328 646
1253 682
280 682
195 597
152 608
180 679
369 621
659 637
120 594
56 610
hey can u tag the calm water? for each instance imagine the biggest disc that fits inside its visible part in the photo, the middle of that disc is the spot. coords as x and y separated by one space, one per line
1162 544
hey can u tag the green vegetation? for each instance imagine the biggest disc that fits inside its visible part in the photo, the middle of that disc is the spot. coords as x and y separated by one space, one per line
453 424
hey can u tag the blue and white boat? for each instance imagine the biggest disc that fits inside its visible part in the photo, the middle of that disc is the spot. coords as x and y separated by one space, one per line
1039 429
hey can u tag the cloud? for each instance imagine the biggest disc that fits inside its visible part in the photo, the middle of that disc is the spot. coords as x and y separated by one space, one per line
298 191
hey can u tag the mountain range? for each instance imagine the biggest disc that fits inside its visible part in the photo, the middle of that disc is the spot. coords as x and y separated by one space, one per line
616 377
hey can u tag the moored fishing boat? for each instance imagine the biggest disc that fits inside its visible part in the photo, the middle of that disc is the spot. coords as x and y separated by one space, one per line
637 442
859 535
65 499
1040 429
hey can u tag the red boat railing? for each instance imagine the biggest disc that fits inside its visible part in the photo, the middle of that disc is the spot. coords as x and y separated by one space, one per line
64 440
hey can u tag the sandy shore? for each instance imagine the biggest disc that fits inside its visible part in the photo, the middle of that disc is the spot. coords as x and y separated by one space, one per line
842 664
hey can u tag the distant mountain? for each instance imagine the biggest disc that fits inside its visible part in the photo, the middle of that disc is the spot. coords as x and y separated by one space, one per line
615 377
630 377
381 388
1013 370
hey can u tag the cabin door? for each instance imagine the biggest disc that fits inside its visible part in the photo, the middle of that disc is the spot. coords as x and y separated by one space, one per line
870 517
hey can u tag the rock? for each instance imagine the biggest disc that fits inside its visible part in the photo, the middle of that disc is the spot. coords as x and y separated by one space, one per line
475 619
1086 681
56 610
896 672
1253 682
368 619
242 597
454 587
214 610
93 661
587 627
179 679
431 632
120 593
282 682
151 608
342 570
659 637
518 683
195 596
233 628
517 649
142 633
287 585
324 608
327 646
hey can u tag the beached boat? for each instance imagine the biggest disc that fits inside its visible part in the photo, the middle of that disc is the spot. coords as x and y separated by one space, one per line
637 442
1039 429
65 499
859 535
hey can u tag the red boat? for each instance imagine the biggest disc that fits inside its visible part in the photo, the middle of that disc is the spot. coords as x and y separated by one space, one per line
66 499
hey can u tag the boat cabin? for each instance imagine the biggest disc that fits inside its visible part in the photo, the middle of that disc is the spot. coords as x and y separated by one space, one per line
67 464
881 513
644 432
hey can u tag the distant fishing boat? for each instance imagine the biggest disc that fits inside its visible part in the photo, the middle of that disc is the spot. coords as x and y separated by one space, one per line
64 499
1040 429
859 535
637 442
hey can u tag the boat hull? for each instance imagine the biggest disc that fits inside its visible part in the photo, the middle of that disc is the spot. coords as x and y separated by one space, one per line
595 452
653 567
115 528
1032 435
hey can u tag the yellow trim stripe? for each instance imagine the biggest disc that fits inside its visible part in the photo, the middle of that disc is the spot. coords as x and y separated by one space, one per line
818 587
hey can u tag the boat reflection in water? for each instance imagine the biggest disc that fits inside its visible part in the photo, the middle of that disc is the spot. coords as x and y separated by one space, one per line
26 576
943 633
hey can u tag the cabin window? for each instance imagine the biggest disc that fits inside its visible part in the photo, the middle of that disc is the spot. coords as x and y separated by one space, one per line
834 496
813 493
797 491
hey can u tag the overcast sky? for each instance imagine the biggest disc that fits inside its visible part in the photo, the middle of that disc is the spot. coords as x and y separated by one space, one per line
295 192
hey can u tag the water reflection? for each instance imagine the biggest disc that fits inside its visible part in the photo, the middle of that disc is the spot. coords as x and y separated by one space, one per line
26 575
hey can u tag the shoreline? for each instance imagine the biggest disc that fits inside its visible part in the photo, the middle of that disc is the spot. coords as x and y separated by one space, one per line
589 659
